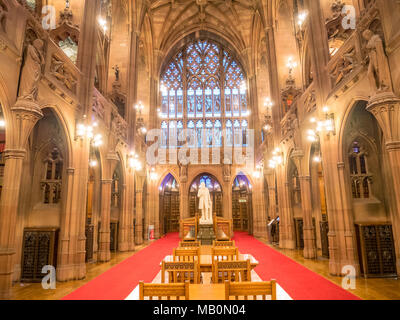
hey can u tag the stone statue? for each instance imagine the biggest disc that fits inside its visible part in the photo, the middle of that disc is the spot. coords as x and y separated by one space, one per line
378 69
205 204
3 14
32 71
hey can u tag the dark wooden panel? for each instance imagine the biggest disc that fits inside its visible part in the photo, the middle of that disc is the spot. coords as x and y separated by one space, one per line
376 250
39 249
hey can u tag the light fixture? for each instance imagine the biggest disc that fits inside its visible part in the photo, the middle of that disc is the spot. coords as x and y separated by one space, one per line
2 123
301 18
291 65
268 103
93 163
133 162
317 159
153 174
97 140
87 131
103 24
277 158
139 107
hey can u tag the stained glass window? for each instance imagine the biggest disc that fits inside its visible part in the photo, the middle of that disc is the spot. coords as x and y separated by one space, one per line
202 85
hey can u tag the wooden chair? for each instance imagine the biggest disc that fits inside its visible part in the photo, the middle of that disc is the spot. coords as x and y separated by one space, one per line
186 244
224 243
221 254
186 254
235 271
250 289
180 271
163 290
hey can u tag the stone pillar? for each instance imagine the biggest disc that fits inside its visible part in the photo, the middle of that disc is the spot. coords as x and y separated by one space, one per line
270 177
139 215
310 251
104 243
72 248
123 222
126 241
259 210
25 116
286 232
386 109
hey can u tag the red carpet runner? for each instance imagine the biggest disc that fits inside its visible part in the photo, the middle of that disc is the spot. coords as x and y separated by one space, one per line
299 282
118 282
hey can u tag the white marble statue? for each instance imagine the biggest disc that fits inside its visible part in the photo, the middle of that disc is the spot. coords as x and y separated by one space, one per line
205 204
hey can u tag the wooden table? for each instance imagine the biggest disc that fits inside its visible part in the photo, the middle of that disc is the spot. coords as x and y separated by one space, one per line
207 292
206 261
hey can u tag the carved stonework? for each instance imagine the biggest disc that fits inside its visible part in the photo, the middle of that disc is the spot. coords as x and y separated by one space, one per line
98 107
385 107
289 94
344 66
59 70
3 16
378 65
32 70
227 172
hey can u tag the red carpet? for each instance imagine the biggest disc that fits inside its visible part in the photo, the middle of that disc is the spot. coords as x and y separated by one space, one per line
118 282
298 281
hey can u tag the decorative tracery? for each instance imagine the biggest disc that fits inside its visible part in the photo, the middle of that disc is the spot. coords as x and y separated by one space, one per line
203 89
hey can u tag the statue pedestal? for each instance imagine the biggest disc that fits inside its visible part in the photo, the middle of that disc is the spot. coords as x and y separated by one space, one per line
206 234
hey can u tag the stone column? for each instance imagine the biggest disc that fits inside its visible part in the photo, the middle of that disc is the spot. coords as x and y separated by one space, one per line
123 222
126 241
270 177
310 251
25 116
286 234
259 210
104 243
386 109
139 215
72 247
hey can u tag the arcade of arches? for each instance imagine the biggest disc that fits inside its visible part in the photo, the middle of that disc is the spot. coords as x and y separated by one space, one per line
112 116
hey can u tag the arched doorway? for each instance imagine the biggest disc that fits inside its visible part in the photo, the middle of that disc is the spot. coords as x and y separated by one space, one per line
215 193
92 204
242 206
369 190
169 205
295 201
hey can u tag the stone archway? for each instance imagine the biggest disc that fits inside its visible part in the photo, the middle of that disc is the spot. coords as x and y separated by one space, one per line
242 204
169 194
216 193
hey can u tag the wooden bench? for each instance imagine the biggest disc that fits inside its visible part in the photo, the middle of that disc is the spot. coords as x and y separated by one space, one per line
180 271
186 244
230 243
186 254
237 271
163 290
221 254
250 289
